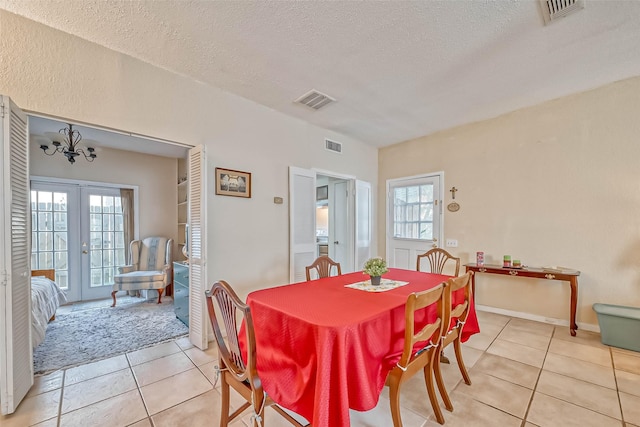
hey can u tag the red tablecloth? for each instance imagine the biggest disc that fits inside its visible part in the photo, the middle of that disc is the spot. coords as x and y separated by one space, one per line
323 348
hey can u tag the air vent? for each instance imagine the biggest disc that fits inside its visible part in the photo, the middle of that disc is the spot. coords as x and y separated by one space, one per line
336 147
315 99
554 9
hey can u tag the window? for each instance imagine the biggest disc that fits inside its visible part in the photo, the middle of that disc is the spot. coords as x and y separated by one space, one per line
413 207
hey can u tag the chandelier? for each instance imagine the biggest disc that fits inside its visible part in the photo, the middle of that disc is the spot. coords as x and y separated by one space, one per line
69 146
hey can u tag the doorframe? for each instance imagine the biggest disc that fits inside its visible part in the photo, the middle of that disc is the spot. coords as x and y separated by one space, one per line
388 217
351 208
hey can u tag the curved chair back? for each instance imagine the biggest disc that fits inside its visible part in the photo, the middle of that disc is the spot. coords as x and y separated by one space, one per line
455 318
323 266
228 314
424 358
437 258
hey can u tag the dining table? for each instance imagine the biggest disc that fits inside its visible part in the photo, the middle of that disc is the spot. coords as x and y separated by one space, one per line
324 348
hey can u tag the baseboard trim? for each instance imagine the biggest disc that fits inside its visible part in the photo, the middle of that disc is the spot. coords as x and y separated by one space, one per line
528 316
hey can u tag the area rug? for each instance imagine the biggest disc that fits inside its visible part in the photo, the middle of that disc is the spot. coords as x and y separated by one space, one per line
87 335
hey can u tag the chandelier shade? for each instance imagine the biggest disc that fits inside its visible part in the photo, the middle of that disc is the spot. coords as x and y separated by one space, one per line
66 141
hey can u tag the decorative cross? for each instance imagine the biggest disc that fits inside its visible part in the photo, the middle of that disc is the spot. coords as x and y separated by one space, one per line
453 192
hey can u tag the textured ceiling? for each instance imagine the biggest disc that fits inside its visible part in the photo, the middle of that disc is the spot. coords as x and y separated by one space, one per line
398 70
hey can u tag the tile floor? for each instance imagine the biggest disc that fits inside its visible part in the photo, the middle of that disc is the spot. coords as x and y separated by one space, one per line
524 374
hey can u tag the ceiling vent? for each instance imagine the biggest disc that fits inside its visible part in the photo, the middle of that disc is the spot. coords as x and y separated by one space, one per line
315 99
555 9
330 145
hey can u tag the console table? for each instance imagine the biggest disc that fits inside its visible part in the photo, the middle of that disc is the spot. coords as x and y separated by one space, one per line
570 276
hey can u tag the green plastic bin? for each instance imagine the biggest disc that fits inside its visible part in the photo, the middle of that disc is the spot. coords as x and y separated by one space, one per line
619 325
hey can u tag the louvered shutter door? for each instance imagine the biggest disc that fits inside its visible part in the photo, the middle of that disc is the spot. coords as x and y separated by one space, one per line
16 354
198 329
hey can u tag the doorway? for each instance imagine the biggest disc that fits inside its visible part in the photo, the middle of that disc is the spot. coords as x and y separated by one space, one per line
333 228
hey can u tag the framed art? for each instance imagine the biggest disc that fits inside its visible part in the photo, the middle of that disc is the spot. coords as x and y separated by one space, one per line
230 182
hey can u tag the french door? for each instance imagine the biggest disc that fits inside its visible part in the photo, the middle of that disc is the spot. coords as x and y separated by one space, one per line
78 231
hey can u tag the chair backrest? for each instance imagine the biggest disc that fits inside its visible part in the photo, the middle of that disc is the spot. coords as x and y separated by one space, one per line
437 258
458 312
431 332
151 253
226 325
323 266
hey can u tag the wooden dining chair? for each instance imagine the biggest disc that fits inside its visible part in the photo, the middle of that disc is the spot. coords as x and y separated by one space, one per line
423 359
323 266
456 314
437 258
234 371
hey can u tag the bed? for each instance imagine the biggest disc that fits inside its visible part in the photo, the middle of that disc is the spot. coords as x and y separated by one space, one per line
46 297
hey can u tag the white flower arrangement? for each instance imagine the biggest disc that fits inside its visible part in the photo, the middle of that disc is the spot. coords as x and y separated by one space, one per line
375 267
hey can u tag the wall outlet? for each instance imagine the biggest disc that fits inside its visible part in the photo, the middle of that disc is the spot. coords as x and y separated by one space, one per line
452 243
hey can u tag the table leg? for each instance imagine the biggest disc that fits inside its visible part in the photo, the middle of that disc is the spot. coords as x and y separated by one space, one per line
574 301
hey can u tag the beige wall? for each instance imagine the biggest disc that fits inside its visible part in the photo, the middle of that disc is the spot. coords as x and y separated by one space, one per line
554 184
155 177
51 72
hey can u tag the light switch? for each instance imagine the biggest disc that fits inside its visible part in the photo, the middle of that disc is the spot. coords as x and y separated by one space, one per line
452 243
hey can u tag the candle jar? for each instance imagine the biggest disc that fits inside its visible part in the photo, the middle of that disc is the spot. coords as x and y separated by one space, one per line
506 261
479 258
517 263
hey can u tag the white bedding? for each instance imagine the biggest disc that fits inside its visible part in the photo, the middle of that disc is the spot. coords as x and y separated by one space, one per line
46 297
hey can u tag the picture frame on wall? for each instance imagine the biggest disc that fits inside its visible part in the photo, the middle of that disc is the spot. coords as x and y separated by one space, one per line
234 183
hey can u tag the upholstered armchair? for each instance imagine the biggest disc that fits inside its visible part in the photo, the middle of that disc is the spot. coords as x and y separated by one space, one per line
149 267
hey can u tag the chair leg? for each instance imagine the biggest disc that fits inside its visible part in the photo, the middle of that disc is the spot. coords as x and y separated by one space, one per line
160 291
443 391
224 412
113 295
394 399
428 379
463 369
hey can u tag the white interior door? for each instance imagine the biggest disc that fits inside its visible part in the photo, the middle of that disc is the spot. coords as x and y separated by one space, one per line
302 222
16 354
340 225
363 224
414 212
197 247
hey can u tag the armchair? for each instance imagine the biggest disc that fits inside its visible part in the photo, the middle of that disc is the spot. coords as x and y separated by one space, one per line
149 267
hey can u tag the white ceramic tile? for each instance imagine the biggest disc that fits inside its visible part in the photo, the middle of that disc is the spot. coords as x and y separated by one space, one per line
200 357
626 362
95 369
184 343
518 352
579 369
96 389
547 411
588 353
150 353
524 325
525 337
468 412
33 410
53 422
142 423
628 382
44 383
587 395
506 396
158 369
121 410
630 407
171 391
582 337
507 369
210 370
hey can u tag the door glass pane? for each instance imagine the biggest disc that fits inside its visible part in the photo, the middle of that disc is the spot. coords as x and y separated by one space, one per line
107 238
60 221
413 212
60 202
60 241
